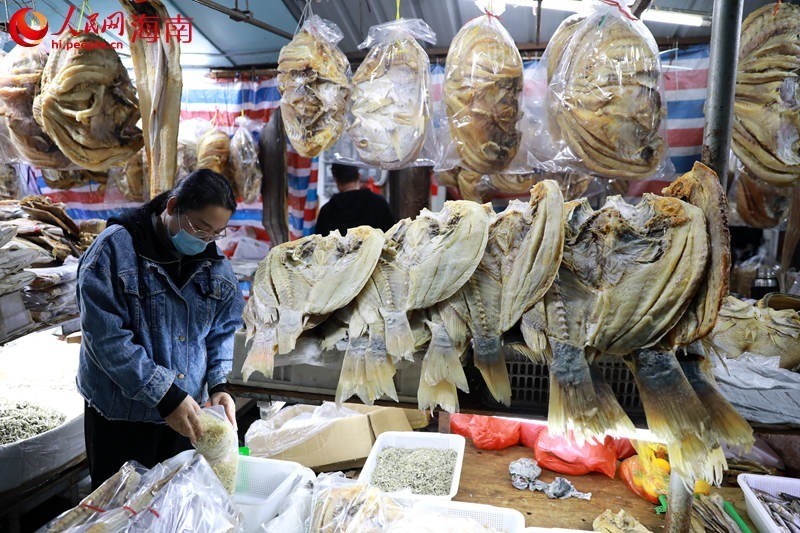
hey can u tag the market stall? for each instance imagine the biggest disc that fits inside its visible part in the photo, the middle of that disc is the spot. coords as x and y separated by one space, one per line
586 316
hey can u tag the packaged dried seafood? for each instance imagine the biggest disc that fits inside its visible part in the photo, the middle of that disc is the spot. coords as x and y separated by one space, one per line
482 89
87 103
19 83
134 182
606 97
244 162
315 89
390 99
157 63
219 445
765 127
214 152
759 203
9 181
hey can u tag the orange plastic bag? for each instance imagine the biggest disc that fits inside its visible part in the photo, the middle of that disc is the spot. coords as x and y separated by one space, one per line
529 433
645 485
486 432
563 455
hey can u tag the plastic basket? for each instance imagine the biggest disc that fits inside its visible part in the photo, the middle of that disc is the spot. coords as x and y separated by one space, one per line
499 519
257 479
411 439
771 485
530 382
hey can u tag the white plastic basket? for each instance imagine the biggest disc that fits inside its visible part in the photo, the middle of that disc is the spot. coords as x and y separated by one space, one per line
257 480
771 485
412 440
500 519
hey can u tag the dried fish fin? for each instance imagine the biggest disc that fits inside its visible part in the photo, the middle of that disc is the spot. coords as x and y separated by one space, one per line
725 420
379 368
442 394
353 376
491 361
611 410
442 361
399 337
261 356
573 400
674 412
290 327
535 339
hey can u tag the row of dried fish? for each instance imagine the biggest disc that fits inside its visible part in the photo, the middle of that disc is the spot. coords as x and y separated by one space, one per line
639 282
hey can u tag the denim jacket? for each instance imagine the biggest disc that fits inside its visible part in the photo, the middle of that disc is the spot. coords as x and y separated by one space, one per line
142 332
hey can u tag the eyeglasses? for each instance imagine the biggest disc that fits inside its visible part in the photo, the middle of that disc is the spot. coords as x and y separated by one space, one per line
202 234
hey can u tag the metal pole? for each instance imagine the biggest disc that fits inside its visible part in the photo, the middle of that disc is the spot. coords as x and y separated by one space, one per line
679 506
726 23
241 16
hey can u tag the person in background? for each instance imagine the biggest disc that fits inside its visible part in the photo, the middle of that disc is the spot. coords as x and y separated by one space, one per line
159 308
352 206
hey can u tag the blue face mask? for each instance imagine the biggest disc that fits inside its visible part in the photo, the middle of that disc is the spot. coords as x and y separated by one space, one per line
186 243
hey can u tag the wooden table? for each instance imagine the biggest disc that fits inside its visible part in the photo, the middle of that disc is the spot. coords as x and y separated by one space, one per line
485 479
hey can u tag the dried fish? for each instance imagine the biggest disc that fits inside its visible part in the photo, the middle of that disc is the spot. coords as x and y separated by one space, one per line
244 165
275 179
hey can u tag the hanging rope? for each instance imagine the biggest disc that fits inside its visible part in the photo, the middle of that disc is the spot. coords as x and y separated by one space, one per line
84 5
397 13
307 12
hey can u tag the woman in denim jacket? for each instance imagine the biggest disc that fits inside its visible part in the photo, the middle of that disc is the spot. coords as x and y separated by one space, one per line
159 309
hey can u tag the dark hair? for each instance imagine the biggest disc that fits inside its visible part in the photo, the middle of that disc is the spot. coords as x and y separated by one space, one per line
200 189
344 173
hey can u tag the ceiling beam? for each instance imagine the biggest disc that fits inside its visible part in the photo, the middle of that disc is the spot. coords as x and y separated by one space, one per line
241 16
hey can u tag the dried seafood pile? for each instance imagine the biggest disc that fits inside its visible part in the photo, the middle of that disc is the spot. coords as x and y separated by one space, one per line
314 85
605 91
640 282
390 100
765 126
87 103
482 89
23 420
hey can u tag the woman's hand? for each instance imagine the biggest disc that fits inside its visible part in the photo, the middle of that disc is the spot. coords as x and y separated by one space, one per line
225 400
184 419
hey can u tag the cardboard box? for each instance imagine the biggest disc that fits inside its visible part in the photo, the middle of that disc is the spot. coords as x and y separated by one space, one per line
346 442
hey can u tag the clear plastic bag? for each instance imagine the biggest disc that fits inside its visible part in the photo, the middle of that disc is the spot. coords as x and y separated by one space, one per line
390 105
214 152
479 125
313 77
606 106
758 203
189 134
219 445
244 161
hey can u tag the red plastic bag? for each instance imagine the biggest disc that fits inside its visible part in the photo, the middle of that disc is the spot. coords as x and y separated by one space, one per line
623 446
486 432
561 454
529 433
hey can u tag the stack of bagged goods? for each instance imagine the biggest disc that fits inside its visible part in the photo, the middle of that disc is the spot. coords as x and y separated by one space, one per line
14 259
50 296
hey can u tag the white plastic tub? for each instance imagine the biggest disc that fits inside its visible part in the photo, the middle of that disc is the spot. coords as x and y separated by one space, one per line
415 440
500 519
771 485
262 486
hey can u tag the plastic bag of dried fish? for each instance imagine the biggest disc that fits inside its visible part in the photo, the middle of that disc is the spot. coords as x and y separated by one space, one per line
478 128
390 112
606 106
313 77
244 161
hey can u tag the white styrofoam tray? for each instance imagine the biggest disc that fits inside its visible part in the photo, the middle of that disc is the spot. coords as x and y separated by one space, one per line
771 485
500 519
262 486
413 440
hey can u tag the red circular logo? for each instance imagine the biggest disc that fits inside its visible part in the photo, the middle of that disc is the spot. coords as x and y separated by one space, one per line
22 33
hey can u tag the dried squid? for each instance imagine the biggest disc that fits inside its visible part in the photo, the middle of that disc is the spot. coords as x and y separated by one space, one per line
300 281
159 82
87 104
19 85
606 97
390 100
482 88
765 110
312 76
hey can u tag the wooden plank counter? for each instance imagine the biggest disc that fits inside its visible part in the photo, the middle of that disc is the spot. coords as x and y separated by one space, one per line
485 479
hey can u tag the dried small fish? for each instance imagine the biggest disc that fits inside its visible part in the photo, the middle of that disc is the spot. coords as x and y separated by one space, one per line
23 420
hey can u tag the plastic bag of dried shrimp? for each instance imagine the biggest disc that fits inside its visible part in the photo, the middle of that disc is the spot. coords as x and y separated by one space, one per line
245 167
478 123
605 101
389 120
219 444
313 78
